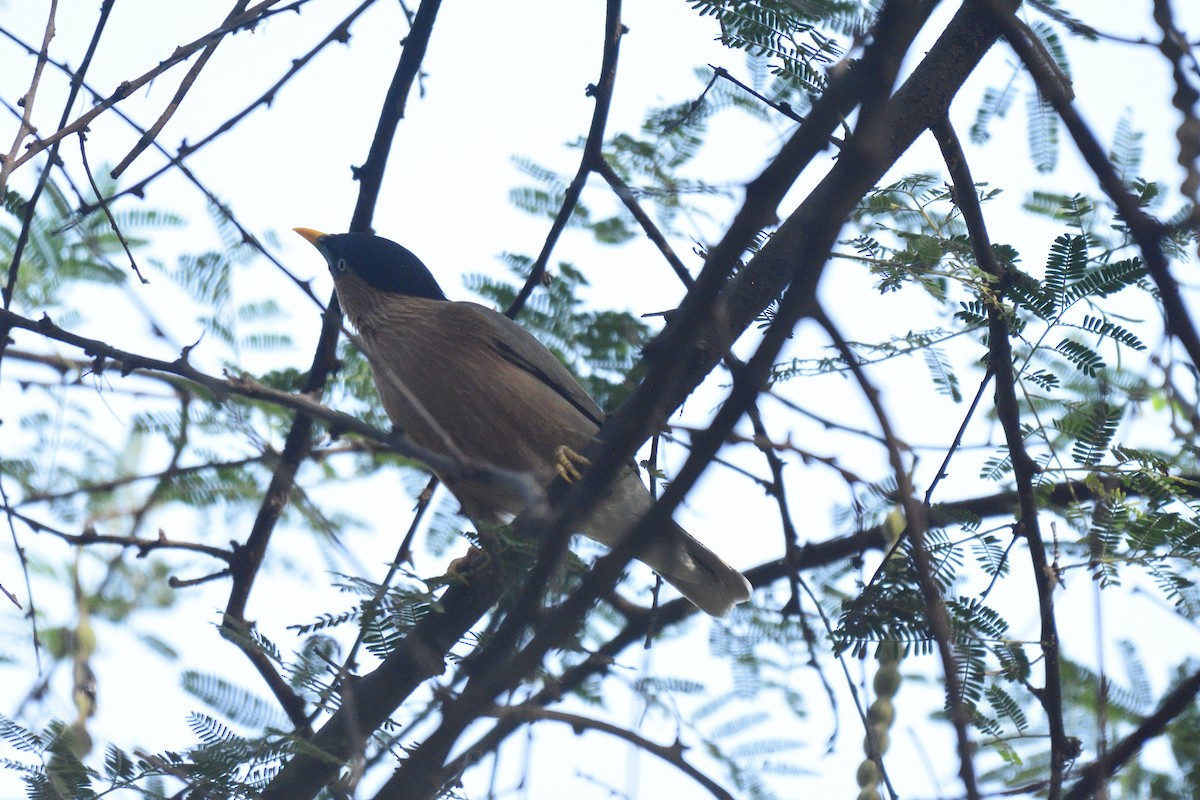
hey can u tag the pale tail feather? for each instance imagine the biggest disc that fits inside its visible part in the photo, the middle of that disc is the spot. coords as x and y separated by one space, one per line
698 573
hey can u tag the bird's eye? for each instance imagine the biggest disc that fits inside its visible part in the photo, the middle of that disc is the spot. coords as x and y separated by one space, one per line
341 265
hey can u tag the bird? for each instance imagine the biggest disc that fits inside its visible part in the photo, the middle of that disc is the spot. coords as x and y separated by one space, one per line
459 377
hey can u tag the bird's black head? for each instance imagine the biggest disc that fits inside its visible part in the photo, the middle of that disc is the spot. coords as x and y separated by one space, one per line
380 263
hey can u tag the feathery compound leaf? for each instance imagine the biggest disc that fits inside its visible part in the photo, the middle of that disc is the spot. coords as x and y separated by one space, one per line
1042 131
1044 379
117 764
1111 331
996 467
1066 264
1083 357
973 313
19 737
994 105
943 374
1027 292
1005 706
209 730
1049 37
1126 151
1097 427
235 703
1107 279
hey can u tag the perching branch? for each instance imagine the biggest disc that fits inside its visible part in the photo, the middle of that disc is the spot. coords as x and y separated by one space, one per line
298 444
106 356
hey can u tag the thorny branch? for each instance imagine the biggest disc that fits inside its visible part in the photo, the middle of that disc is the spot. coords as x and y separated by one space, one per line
592 158
143 546
693 331
244 21
339 34
786 262
1025 470
298 444
27 101
151 133
420 774
105 355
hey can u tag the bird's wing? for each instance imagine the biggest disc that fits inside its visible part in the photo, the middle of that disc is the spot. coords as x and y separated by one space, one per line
518 346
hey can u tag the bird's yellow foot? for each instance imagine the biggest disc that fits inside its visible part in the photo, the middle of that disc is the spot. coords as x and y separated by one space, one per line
461 569
567 463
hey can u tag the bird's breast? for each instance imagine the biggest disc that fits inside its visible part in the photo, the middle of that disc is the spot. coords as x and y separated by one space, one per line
442 379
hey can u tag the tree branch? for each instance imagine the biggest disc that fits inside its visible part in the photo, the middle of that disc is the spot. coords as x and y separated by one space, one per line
671 754
699 336
1025 470
1095 775
298 444
593 156
1147 232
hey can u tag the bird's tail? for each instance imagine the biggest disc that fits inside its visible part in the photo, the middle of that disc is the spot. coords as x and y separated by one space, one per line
697 572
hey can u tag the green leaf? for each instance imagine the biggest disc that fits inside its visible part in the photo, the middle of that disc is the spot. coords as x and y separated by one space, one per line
1115 332
1085 359
943 374
1095 431
1065 266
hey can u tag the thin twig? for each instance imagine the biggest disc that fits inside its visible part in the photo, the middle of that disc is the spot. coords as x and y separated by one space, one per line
671 754
958 437
142 545
299 442
243 21
176 162
112 221
105 356
189 78
591 159
9 163
1025 470
339 34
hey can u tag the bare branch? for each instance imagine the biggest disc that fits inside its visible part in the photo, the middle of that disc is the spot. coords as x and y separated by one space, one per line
298 444
9 163
242 21
245 386
592 158
144 546
193 72
671 754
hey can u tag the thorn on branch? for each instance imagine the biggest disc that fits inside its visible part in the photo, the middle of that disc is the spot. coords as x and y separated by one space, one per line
183 583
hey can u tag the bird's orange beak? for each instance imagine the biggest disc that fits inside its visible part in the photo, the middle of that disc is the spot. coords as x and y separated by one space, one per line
309 234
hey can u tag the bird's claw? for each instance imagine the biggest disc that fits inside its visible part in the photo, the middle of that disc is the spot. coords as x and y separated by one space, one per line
567 463
461 569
